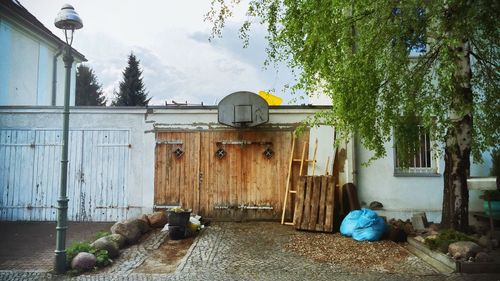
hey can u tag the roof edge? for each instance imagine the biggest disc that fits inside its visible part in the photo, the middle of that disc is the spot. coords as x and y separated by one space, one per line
18 12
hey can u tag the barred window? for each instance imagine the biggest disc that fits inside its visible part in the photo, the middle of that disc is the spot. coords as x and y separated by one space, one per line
422 162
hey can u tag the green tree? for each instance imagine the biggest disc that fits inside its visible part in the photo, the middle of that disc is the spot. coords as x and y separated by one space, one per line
131 90
360 54
88 91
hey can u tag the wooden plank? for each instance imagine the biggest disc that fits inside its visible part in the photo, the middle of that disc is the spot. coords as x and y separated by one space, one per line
307 204
299 205
288 178
322 204
302 158
314 157
316 190
330 199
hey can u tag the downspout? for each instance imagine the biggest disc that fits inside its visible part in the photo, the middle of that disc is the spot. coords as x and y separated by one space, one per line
54 75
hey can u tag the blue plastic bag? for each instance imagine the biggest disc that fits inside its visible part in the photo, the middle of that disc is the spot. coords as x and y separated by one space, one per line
372 232
363 225
349 223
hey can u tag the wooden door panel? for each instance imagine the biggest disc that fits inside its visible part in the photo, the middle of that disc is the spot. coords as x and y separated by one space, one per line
219 188
177 178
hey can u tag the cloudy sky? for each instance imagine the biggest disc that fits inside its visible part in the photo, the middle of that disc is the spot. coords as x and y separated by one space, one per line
170 38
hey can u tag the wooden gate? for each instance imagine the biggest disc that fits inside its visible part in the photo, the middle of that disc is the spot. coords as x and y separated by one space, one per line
242 184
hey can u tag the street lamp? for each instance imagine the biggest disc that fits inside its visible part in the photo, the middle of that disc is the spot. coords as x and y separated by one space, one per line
67 20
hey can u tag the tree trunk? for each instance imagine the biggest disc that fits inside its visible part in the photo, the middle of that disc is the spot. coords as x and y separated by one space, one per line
455 214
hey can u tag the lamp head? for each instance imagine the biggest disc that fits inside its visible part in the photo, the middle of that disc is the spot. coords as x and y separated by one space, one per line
68 18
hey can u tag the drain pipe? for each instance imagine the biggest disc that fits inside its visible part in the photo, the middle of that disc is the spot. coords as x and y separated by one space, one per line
54 75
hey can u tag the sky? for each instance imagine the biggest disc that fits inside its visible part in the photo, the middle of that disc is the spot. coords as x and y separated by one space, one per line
171 40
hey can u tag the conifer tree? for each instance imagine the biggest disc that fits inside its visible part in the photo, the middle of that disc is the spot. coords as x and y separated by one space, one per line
132 91
88 91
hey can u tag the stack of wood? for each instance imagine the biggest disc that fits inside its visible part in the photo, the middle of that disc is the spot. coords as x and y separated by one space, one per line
320 206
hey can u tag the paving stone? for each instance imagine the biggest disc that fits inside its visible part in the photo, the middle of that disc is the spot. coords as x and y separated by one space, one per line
240 251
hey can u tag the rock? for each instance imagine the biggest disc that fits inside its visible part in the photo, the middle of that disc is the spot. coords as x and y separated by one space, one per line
434 227
494 243
83 261
144 218
419 239
408 228
433 232
463 249
130 231
483 257
419 221
481 227
107 243
158 219
485 242
432 236
119 239
396 234
375 205
143 225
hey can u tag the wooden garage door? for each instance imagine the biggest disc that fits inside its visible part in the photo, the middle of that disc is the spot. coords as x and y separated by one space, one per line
244 184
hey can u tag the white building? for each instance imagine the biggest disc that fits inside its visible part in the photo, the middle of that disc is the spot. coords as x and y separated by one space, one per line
31 67
405 191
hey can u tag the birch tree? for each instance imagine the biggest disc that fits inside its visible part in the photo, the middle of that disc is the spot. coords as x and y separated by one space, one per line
391 67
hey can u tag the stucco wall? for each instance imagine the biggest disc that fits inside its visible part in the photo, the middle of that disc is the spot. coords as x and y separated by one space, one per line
26 68
142 123
404 195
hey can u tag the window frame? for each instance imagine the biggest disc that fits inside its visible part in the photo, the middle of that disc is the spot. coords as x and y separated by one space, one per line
432 171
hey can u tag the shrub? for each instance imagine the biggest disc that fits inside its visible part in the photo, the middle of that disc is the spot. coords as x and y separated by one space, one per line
102 233
102 257
75 248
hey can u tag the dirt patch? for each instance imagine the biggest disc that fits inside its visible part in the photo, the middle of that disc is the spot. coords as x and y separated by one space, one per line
167 257
333 248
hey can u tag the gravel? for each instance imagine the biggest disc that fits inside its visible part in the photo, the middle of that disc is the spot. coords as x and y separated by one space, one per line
381 256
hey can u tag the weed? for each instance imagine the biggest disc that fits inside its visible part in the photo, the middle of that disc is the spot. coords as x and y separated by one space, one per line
445 238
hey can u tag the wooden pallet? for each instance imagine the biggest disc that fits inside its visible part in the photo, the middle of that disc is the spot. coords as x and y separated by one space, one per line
315 202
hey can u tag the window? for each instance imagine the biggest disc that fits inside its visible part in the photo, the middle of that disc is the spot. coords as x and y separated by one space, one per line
421 163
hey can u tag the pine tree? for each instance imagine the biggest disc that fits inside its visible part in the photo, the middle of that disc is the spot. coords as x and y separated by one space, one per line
88 90
131 90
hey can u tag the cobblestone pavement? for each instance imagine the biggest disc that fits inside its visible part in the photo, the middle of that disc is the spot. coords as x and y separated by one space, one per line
30 245
243 251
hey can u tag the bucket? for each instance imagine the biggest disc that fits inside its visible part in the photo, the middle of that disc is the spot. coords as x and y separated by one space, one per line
176 232
176 218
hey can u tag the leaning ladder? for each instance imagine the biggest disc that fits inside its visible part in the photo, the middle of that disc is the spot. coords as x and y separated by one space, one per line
302 160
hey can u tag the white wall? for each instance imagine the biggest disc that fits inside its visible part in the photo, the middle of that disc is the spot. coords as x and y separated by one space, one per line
141 124
404 195
26 68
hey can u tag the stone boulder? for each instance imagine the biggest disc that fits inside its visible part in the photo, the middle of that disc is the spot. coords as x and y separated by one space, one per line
144 218
127 229
158 219
107 243
463 250
118 239
396 234
375 205
483 257
143 225
485 242
83 261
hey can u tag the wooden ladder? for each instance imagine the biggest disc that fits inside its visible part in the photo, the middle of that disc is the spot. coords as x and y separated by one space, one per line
302 160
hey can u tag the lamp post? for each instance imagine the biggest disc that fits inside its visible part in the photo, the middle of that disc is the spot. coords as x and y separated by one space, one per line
67 20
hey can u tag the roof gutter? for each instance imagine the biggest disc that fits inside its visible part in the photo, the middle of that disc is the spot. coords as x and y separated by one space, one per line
54 75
